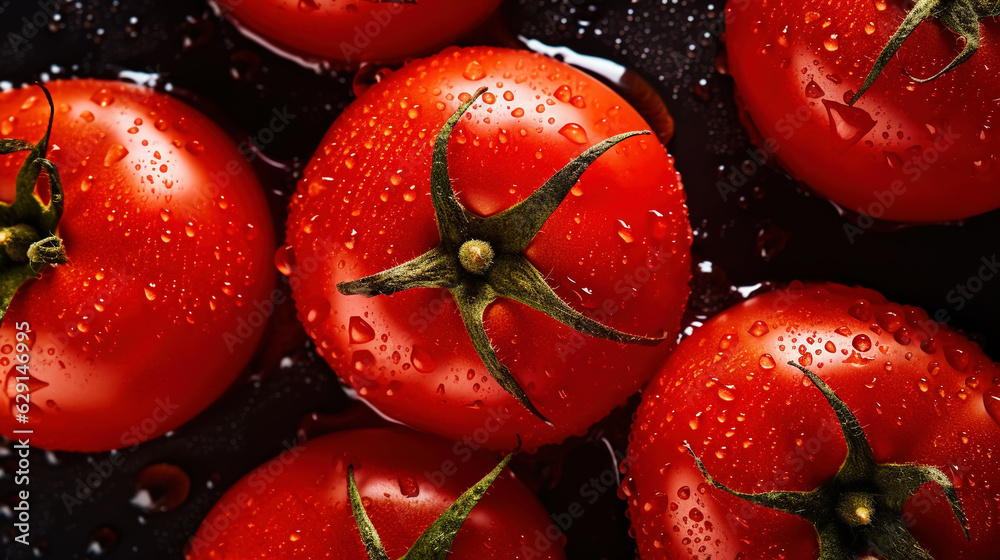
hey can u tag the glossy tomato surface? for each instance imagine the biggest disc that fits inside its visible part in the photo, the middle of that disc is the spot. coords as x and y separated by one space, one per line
355 31
906 151
616 249
297 504
923 394
170 245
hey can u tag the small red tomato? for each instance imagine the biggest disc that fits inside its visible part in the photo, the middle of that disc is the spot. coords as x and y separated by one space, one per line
355 31
906 150
411 489
167 250
831 424
533 275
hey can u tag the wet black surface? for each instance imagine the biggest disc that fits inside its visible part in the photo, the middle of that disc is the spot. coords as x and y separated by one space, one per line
769 230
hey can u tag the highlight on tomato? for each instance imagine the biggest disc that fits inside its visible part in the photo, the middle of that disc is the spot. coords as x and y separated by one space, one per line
376 494
134 239
512 247
818 421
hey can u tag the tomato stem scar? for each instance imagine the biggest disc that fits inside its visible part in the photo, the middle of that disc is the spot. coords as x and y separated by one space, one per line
862 506
481 259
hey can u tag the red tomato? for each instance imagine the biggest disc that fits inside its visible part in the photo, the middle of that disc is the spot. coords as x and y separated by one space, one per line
616 249
355 31
297 504
906 151
168 251
923 393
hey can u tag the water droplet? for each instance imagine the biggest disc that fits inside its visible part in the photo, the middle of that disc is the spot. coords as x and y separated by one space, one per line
421 360
102 541
696 515
517 113
161 487
830 43
991 398
150 292
317 311
116 153
408 487
362 359
564 93
360 331
308 6
574 133
683 492
813 90
103 97
766 361
284 259
848 124
862 343
626 235
727 393
860 311
759 328
474 71
957 357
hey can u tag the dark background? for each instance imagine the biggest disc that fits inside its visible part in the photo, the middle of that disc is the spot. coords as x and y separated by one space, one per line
770 231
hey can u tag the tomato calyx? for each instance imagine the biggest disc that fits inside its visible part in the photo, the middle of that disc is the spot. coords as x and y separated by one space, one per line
27 226
863 504
480 259
435 542
960 16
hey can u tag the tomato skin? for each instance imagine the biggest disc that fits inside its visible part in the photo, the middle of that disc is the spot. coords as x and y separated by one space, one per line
297 506
355 31
931 155
367 192
129 336
759 428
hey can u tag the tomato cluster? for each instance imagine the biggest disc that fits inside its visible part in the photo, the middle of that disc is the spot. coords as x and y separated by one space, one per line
491 246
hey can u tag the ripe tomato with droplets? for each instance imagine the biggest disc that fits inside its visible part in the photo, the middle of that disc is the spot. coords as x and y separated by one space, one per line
615 250
169 243
904 151
922 393
297 504
356 31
